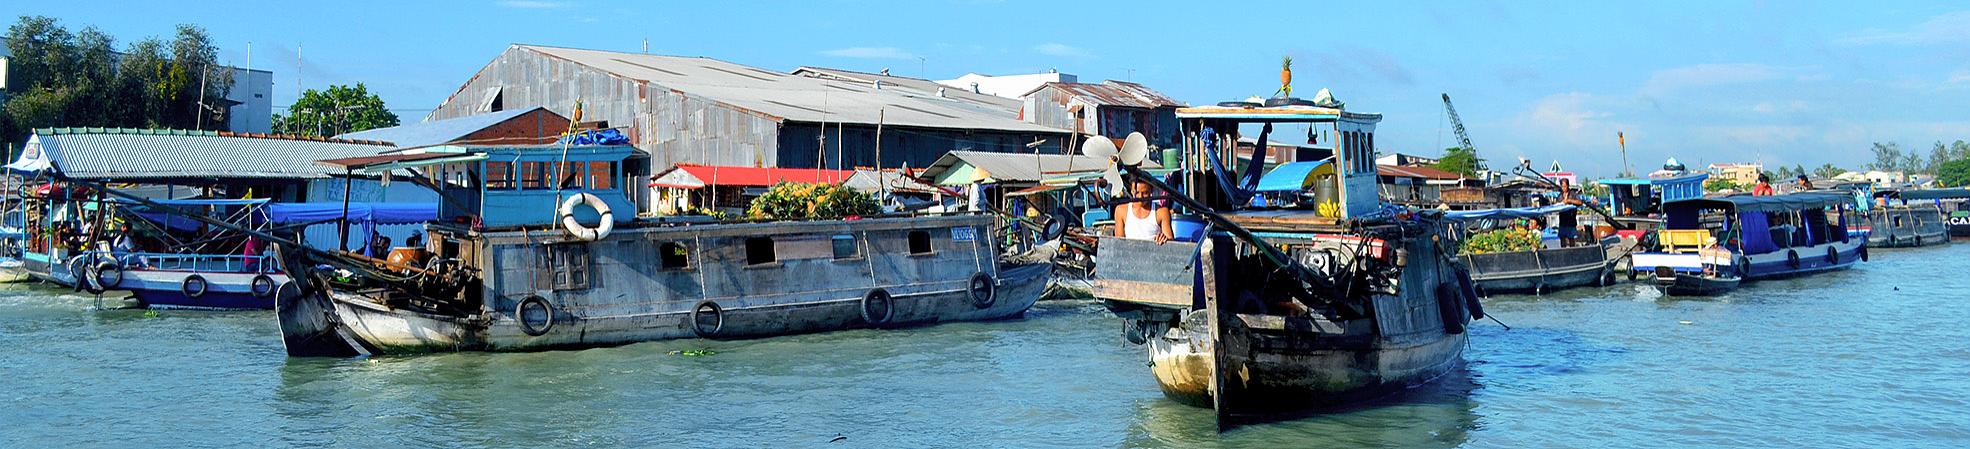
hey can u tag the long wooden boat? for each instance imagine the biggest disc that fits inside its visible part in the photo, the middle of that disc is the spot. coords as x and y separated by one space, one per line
1810 235
1952 203
1536 271
1279 311
515 282
1906 226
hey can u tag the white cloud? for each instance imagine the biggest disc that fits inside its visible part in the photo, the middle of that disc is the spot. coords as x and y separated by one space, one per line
1942 29
1061 50
1767 107
871 53
1960 76
1700 75
533 4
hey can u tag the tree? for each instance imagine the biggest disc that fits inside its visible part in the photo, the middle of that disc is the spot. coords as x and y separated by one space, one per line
1959 150
1954 173
338 110
1458 160
1828 171
1721 184
1886 156
1798 170
75 79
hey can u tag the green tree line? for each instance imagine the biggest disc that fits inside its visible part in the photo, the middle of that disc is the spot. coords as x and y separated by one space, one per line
62 78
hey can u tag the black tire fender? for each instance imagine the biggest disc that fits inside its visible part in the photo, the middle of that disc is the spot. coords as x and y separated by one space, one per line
878 307
981 290
103 276
1792 258
1832 255
1468 289
1449 308
78 270
1135 332
1863 254
262 292
707 319
534 306
194 292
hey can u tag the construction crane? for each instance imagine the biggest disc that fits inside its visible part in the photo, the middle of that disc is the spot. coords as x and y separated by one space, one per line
1463 138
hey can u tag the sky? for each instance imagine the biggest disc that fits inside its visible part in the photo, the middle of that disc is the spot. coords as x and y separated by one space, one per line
1781 82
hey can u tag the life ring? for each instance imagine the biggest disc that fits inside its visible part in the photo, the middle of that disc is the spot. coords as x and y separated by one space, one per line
103 274
707 319
1792 258
581 232
1468 289
1832 256
78 271
535 316
877 307
1449 309
189 289
980 288
258 291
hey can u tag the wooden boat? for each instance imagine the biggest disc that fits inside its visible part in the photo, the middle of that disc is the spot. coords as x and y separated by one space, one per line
1686 284
1952 203
1536 271
1810 235
499 276
1898 223
1282 310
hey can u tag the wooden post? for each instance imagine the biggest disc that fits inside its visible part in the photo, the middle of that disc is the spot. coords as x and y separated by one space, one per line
348 187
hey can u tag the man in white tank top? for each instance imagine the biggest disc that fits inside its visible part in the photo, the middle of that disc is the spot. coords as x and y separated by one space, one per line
1143 220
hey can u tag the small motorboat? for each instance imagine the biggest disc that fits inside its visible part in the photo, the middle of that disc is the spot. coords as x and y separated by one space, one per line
1694 284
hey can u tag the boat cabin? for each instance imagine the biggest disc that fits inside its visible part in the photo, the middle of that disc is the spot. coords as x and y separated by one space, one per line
1770 236
1642 197
513 186
1211 134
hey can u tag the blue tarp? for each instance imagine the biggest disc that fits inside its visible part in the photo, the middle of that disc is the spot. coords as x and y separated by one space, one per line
371 213
1290 176
205 202
1522 212
595 137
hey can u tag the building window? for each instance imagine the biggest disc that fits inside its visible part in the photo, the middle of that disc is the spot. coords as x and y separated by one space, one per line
845 246
759 250
499 175
919 242
673 256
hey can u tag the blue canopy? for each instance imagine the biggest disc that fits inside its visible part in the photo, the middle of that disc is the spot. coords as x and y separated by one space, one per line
1521 212
1290 176
210 202
373 213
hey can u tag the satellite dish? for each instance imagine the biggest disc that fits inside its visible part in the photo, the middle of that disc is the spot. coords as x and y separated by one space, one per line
1134 149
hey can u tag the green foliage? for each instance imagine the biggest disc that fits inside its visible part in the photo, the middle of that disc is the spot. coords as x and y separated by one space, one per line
1828 171
60 78
803 201
338 110
1721 184
1458 160
1502 241
1955 173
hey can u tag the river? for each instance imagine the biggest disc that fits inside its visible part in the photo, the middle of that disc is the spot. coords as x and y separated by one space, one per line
1876 356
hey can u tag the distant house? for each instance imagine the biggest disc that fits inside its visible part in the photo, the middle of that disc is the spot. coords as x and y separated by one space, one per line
689 186
1742 174
1007 86
519 126
986 178
1111 109
1404 160
1428 187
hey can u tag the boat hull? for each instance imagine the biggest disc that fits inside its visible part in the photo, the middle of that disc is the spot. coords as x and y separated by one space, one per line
1694 285
1810 260
385 330
1907 227
224 291
1539 271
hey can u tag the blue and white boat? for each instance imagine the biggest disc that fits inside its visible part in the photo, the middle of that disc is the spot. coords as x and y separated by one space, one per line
1766 236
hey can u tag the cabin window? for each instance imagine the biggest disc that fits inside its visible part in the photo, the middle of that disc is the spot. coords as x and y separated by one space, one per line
533 175
562 267
673 256
1897 221
919 242
571 174
846 247
601 175
499 175
759 250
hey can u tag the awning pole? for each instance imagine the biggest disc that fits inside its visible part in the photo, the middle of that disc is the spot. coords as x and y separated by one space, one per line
348 186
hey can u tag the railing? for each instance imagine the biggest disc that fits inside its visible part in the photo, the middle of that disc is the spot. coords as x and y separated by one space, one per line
200 263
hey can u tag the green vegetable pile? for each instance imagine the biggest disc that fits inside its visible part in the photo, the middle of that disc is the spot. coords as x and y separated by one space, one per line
1501 241
802 201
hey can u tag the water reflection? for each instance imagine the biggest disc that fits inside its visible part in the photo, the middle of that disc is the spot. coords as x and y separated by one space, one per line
1439 414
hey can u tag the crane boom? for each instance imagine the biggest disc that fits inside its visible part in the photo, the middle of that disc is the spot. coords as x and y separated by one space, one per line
1457 124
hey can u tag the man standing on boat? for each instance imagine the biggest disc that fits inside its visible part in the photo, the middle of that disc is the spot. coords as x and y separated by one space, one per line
1143 219
1569 227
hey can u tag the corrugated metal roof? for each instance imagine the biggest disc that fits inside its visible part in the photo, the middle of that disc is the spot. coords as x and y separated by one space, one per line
1415 172
161 154
921 87
789 97
1115 93
1018 167
438 132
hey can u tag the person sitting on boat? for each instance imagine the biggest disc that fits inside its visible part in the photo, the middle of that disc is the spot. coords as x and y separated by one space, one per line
1804 184
1143 220
1764 187
123 247
252 253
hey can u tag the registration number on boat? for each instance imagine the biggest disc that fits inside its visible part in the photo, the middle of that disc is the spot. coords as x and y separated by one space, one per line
964 234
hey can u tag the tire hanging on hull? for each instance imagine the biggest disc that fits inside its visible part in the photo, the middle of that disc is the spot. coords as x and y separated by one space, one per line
1450 307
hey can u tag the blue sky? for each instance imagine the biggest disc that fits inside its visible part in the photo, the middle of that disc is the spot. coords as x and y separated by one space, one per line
1774 82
